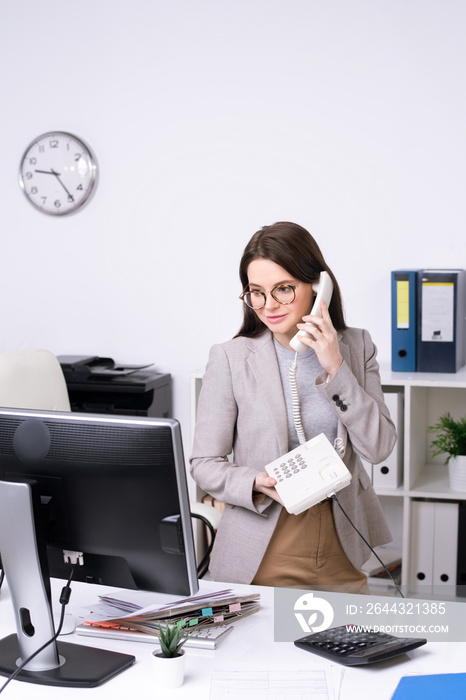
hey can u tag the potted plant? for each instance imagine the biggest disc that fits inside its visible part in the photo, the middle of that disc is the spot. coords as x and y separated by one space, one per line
170 660
450 440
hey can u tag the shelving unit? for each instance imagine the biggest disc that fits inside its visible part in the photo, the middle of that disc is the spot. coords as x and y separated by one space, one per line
426 397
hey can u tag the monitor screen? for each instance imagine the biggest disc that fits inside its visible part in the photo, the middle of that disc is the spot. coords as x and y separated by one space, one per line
112 488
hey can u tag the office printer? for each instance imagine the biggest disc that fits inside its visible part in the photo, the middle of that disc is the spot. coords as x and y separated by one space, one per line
100 385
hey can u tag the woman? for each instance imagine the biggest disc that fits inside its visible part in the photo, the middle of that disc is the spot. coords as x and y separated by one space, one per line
245 408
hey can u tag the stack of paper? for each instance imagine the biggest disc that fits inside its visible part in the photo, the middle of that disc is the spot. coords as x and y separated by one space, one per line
218 608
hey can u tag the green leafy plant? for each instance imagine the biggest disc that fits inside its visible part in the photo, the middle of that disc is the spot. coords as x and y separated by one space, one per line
451 436
172 637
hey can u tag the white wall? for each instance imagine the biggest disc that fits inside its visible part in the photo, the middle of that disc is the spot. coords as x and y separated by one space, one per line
210 119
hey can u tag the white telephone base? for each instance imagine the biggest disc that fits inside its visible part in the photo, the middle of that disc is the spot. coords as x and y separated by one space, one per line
308 474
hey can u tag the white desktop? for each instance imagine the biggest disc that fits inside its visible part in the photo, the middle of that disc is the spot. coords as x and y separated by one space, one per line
248 655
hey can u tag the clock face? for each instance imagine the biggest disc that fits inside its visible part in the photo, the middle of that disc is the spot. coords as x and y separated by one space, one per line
58 173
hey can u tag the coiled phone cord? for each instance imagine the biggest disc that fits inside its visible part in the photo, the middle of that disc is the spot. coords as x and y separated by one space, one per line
296 408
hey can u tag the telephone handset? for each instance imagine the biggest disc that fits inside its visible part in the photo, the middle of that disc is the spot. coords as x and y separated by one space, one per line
324 290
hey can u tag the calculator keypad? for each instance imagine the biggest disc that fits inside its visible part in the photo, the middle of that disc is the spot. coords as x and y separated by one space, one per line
352 648
340 641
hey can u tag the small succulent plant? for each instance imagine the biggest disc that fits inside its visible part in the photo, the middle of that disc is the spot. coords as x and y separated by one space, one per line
172 637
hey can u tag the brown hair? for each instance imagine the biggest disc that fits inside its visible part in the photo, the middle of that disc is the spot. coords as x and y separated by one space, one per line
294 249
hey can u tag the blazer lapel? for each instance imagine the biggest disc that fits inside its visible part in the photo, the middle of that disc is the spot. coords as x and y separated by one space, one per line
264 366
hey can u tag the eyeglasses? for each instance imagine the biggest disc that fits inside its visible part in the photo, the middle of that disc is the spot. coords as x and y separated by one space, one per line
256 299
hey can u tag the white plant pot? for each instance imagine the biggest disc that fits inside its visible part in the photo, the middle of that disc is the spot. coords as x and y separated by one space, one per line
169 672
457 473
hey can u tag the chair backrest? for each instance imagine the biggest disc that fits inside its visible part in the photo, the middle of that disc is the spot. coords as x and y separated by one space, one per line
32 379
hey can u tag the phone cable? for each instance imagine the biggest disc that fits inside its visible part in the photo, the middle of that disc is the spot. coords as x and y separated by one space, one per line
296 407
334 496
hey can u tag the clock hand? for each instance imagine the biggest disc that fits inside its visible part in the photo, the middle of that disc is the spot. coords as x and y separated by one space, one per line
57 175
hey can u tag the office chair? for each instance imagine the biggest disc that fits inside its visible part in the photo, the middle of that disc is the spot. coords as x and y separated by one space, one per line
210 516
32 379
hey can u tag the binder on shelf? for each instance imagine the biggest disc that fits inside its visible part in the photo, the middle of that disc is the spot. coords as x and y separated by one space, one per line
434 544
441 323
404 320
388 474
445 543
421 557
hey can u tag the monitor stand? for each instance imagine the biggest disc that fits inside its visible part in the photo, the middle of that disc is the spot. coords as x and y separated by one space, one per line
23 555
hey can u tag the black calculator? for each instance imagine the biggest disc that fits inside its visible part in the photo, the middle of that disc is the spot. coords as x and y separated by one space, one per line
354 648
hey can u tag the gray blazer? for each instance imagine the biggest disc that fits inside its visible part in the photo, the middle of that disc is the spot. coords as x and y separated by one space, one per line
242 410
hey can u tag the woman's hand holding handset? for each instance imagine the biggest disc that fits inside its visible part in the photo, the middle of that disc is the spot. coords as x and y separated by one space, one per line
324 340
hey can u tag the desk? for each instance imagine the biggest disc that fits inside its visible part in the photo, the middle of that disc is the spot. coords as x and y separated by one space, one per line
250 647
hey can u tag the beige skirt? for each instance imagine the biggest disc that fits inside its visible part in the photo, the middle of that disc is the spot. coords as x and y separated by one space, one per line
305 552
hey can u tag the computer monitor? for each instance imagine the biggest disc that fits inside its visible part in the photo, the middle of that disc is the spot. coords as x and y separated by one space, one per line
110 488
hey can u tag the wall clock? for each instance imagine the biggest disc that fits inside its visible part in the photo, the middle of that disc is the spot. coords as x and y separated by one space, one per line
58 173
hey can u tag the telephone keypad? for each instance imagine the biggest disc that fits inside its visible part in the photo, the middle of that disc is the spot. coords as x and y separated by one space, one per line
293 466
300 481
